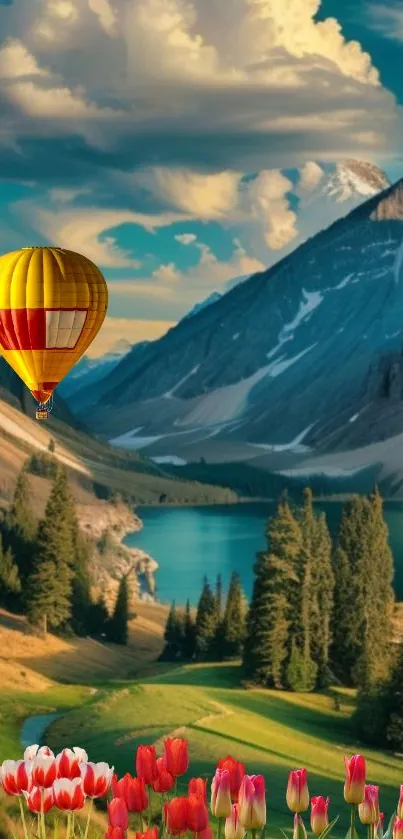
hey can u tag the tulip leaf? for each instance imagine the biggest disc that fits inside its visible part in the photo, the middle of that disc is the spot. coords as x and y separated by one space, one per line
352 834
389 831
263 833
328 828
284 834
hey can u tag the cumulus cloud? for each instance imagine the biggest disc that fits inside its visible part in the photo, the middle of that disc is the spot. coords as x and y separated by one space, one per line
237 86
267 198
202 195
310 176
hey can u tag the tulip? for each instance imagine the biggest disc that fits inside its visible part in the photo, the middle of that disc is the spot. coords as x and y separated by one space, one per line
96 778
368 810
297 791
355 779
252 802
398 828
206 834
68 762
236 771
16 776
400 804
197 814
165 780
221 794
146 764
319 816
176 756
379 826
176 815
44 771
31 752
115 833
198 786
233 827
69 795
150 833
118 814
36 796
133 791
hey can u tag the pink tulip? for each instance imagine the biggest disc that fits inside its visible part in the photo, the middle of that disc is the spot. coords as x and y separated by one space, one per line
297 791
69 795
368 810
379 825
69 761
221 794
16 776
355 779
400 804
118 813
44 771
398 828
36 796
233 827
252 802
319 816
96 778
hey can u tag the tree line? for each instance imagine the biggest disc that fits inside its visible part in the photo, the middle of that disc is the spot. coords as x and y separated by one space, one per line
45 566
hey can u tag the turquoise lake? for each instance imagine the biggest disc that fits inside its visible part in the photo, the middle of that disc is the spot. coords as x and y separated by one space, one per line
189 542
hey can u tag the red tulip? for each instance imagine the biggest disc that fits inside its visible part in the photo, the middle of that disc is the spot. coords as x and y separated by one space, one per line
176 815
96 778
68 762
319 816
35 797
118 814
16 776
206 834
368 810
150 833
44 772
176 756
165 780
398 828
252 802
31 752
297 791
236 771
197 814
355 779
133 791
198 786
69 795
221 794
146 764
115 833
233 827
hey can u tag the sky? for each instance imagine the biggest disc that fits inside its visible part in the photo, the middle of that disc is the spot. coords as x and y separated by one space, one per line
180 144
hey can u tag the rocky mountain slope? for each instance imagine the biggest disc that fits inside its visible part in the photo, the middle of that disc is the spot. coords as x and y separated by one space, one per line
91 370
304 358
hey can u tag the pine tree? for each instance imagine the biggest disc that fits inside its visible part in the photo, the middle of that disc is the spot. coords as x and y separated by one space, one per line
361 644
20 527
10 583
99 617
233 626
272 622
322 599
340 653
118 625
174 636
189 634
49 586
206 622
301 635
81 597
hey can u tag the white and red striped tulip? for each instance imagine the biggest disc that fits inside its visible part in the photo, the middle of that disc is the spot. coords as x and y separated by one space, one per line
37 751
16 776
69 795
96 778
44 772
35 797
68 762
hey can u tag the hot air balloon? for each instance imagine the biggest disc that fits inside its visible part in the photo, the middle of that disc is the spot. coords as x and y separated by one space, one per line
52 305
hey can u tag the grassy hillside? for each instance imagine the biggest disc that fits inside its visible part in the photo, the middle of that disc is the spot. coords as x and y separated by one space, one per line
94 467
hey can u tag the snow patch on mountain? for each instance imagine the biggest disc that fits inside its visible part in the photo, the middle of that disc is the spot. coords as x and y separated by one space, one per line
170 394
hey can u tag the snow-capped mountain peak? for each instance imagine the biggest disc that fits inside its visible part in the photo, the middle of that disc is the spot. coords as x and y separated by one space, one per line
355 178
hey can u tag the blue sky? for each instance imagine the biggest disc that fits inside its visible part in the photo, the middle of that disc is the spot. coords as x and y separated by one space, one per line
180 145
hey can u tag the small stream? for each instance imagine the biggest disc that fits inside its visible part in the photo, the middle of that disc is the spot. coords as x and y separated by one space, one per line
34 728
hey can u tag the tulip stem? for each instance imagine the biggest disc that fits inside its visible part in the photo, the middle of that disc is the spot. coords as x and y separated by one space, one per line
352 824
43 814
149 805
88 817
23 818
68 826
220 821
72 825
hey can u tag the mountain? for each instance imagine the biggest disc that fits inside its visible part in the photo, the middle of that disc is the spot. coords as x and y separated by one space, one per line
354 178
294 364
91 370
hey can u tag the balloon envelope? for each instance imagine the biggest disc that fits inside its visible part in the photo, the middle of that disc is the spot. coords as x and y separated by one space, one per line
52 305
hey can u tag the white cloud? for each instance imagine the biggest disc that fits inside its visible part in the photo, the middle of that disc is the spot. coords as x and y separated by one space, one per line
310 176
186 238
106 15
267 198
132 329
16 61
201 195
387 19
